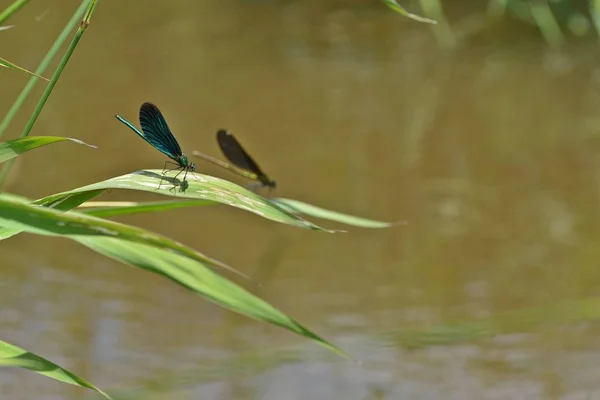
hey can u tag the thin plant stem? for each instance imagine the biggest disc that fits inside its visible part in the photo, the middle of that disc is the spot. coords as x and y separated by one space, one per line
86 10
10 10
42 67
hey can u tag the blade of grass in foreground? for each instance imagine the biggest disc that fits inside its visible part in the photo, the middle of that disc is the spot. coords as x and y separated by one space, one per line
12 148
13 356
200 187
296 206
23 216
104 209
114 208
203 281
146 250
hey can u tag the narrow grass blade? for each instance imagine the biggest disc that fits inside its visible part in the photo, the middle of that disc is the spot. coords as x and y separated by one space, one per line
393 4
4 62
12 148
13 356
201 187
18 214
105 209
115 208
203 281
296 206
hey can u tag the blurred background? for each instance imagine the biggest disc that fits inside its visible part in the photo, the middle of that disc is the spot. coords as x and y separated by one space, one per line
482 132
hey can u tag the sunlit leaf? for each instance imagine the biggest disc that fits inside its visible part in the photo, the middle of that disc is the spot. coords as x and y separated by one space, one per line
13 356
20 215
147 250
200 187
12 148
203 281
296 206
113 208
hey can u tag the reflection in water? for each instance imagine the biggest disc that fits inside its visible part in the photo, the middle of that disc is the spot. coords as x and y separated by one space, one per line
489 152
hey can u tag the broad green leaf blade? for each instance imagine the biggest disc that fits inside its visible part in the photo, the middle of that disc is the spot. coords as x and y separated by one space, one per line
68 203
201 187
203 281
18 214
11 355
12 148
8 64
105 209
393 4
65 205
296 206
113 208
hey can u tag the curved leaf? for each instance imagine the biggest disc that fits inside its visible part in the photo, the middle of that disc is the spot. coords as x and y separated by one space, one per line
12 148
200 187
20 215
144 249
113 208
296 206
13 356
203 281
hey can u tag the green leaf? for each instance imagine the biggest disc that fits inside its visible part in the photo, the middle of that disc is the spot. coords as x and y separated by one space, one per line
295 206
203 281
8 64
393 4
144 249
13 356
114 208
201 187
20 215
12 148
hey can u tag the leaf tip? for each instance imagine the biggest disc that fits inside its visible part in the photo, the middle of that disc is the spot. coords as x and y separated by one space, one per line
83 143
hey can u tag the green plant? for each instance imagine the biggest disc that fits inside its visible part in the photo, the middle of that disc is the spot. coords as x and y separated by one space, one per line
71 215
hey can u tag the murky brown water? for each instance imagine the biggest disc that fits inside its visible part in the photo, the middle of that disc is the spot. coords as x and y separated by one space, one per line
490 152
